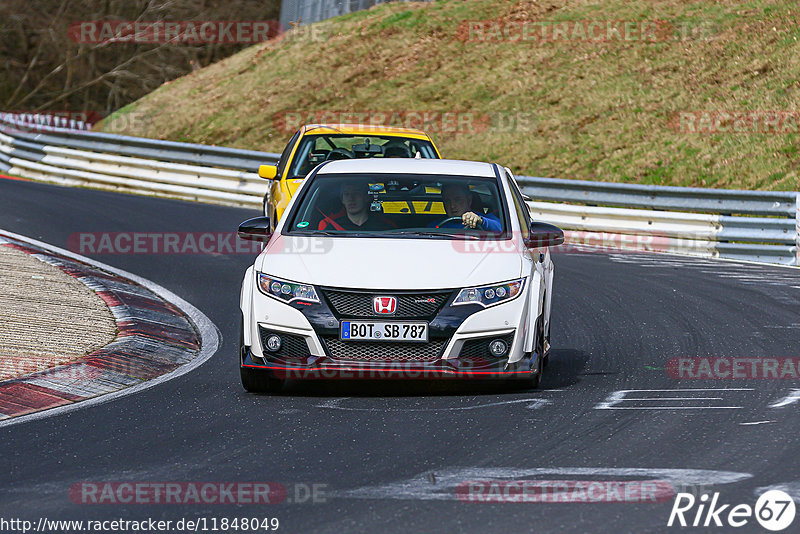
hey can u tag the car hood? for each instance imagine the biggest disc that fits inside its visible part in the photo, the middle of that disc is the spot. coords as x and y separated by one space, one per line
398 263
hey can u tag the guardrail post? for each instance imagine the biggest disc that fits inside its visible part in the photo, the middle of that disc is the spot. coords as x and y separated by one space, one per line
797 231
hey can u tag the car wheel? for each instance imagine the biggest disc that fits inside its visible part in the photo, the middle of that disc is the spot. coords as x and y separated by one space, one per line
255 380
543 337
546 347
535 380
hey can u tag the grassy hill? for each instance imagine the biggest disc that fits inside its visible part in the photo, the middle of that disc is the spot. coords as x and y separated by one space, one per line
563 106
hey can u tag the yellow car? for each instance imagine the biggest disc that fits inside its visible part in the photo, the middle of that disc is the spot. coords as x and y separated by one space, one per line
314 143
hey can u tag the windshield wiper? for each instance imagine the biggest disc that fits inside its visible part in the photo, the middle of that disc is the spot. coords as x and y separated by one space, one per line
424 233
334 233
319 232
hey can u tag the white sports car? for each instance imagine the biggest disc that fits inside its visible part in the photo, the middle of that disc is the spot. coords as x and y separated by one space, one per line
401 268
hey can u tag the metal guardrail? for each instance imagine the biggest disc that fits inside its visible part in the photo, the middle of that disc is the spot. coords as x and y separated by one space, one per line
308 11
747 225
33 132
34 146
694 199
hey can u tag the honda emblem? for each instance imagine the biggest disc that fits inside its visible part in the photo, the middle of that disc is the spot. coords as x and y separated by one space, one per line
384 305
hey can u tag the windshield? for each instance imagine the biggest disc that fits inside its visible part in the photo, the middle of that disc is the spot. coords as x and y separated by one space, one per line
430 206
314 149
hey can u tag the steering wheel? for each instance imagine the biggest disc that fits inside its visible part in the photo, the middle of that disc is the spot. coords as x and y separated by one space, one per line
339 153
451 219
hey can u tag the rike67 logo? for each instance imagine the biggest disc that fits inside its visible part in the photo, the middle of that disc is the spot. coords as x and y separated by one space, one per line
774 510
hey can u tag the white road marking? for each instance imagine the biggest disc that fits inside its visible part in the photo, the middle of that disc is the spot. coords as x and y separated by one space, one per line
792 488
672 398
442 485
757 423
533 404
210 337
792 397
618 397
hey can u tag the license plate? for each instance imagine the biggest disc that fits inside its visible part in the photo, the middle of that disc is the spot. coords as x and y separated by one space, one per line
376 331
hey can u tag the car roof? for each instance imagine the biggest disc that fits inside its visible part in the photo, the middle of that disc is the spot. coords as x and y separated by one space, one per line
409 166
364 129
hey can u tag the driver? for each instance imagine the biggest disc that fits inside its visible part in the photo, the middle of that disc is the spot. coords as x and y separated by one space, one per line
355 213
458 203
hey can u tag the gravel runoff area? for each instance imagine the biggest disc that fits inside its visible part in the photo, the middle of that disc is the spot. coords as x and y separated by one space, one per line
47 318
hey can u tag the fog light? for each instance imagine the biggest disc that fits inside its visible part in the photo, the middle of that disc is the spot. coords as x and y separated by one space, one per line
498 347
273 343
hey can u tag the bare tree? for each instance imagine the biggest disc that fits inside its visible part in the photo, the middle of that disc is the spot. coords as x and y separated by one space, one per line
42 68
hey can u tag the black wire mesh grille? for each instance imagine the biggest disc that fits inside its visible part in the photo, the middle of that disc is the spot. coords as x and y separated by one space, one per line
476 351
384 351
409 305
292 345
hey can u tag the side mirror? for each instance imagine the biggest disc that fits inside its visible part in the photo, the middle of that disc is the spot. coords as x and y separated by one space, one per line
268 172
255 229
544 235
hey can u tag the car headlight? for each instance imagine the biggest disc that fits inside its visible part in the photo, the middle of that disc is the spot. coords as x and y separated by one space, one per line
490 295
285 290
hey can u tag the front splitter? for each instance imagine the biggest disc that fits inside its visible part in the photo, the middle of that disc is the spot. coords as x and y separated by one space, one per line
325 368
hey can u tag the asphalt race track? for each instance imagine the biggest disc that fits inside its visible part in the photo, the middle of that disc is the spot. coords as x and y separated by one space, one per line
392 454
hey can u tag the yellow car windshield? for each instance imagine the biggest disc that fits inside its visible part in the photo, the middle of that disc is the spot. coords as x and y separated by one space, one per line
314 149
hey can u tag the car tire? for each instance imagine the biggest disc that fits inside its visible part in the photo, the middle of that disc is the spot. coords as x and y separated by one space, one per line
535 380
544 336
255 380
546 348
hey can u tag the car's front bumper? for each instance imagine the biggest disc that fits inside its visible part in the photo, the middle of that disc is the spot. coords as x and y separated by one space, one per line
458 341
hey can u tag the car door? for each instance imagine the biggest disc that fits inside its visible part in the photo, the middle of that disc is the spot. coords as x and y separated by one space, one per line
542 265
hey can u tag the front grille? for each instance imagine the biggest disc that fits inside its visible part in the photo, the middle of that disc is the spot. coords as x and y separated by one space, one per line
476 351
292 345
384 351
409 305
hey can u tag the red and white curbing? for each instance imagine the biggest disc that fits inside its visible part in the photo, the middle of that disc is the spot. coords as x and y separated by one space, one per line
160 336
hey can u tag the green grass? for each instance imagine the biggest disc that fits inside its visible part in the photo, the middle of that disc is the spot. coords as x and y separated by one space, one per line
570 109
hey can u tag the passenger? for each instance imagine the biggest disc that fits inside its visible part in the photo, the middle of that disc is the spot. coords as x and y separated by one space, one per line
458 203
355 213
396 149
